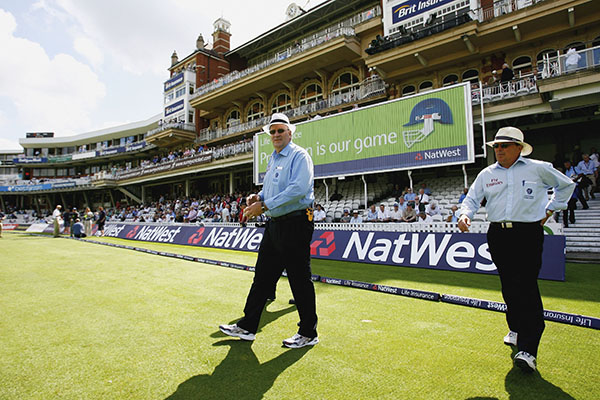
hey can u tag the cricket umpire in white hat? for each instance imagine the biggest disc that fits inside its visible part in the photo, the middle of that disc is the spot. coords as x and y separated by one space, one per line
287 198
517 206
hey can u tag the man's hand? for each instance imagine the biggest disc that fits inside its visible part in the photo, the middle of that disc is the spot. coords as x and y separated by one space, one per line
253 198
464 223
254 210
548 215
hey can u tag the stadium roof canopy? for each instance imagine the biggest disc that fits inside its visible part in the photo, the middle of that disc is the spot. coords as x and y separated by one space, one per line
305 23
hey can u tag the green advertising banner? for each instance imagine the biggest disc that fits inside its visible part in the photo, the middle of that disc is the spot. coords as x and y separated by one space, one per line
420 131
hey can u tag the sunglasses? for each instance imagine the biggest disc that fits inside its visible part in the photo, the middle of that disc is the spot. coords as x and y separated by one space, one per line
502 145
274 131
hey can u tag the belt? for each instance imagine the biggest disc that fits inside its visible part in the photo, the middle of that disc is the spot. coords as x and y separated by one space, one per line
297 213
510 224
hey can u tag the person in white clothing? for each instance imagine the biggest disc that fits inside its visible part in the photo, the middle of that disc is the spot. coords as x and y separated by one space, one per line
383 215
356 218
396 213
424 217
319 214
57 218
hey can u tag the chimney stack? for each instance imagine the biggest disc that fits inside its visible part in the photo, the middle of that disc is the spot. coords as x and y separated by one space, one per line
174 58
200 42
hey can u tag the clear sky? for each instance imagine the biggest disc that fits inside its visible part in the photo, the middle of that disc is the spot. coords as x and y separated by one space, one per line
74 66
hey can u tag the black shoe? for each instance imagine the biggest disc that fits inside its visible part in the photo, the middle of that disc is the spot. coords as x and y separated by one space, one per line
586 207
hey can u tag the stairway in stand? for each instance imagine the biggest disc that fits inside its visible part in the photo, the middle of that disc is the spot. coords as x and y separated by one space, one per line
583 237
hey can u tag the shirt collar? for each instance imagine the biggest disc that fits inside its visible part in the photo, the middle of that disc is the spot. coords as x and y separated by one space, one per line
285 151
520 159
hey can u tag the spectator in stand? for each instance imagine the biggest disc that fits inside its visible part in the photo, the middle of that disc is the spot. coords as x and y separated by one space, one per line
319 214
573 172
453 214
463 195
594 155
396 213
372 214
401 204
101 220
424 217
356 218
192 215
346 217
422 199
409 196
426 190
433 209
409 214
383 215
225 214
589 169
78 230
572 60
507 74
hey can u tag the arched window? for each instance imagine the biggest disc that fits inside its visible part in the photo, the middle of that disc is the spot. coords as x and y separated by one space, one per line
281 103
548 53
425 86
576 45
408 90
255 111
450 80
233 118
521 65
470 75
345 83
581 60
311 93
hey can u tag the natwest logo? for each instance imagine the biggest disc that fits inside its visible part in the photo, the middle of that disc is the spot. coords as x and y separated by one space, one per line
329 237
196 237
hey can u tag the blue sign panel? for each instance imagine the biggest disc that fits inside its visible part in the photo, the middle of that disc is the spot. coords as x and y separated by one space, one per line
174 81
173 108
412 8
446 251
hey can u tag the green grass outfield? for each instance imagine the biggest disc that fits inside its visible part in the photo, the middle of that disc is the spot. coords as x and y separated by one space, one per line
84 321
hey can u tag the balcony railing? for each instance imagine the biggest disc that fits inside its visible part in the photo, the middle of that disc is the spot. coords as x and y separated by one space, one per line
344 28
370 87
570 62
172 125
502 7
504 90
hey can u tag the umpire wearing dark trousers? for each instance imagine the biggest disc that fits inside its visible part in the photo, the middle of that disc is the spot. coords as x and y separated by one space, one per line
517 206
287 198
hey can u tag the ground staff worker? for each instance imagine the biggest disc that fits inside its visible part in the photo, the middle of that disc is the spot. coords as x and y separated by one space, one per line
517 206
287 198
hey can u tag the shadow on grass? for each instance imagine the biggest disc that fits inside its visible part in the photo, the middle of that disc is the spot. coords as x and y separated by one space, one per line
239 376
581 283
266 318
522 385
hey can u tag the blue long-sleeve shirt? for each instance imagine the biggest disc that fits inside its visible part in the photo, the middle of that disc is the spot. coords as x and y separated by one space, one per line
518 193
288 183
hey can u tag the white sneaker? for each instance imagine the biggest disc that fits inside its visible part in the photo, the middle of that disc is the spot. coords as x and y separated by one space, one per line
525 361
510 338
297 341
236 331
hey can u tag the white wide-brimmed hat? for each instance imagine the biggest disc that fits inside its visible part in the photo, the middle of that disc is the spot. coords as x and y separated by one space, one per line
279 118
511 134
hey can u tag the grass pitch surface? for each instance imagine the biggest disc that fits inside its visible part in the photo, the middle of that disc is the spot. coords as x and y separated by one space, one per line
81 320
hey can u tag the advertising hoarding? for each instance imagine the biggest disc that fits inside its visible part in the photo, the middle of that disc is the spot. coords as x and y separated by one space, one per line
420 131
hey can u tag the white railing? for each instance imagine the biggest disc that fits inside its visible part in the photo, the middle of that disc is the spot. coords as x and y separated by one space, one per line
504 90
561 64
370 87
502 7
344 28
172 125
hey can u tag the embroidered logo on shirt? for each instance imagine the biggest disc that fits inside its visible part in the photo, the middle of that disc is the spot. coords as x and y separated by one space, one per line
309 214
494 182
